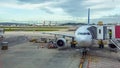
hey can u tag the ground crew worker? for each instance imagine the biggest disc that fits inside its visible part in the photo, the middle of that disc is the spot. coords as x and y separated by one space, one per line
73 44
110 34
100 43
50 44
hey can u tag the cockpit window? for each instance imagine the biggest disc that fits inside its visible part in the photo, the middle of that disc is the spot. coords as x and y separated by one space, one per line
83 33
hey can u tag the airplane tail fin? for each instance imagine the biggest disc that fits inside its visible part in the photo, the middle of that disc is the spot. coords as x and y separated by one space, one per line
88 16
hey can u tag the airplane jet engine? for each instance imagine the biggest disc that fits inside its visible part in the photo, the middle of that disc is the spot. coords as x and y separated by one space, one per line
61 42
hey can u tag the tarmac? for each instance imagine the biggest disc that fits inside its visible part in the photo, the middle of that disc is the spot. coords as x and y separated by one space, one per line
24 54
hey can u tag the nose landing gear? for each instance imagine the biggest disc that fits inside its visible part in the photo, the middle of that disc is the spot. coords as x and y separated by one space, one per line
85 51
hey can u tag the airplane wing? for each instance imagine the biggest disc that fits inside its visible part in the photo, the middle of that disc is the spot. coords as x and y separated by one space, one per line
64 35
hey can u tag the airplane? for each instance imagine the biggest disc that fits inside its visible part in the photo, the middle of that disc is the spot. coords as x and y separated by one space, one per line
82 36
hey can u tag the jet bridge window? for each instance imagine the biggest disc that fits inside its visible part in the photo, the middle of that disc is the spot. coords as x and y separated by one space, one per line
83 33
99 31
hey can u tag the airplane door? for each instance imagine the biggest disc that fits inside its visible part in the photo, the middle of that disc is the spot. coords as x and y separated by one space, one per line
100 32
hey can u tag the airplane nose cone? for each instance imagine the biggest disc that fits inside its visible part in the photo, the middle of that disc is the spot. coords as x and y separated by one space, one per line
84 42
81 39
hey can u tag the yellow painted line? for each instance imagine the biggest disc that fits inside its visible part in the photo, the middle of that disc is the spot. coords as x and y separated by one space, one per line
81 66
82 60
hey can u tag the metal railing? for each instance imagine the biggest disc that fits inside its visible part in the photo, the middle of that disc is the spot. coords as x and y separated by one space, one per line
115 43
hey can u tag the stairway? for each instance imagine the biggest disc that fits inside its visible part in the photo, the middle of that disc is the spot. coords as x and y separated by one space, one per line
115 42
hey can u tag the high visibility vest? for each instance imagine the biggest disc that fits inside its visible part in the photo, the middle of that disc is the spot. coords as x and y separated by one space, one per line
110 33
100 42
75 42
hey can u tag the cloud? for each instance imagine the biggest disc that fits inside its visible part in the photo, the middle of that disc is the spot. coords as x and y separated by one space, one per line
33 1
8 1
99 8
25 6
72 8
108 19
47 7
53 10
48 11
37 1
75 8
79 8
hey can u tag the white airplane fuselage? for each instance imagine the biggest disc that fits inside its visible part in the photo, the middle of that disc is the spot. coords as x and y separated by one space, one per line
83 36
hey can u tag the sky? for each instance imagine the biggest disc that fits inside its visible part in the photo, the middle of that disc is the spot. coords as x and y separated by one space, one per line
107 11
